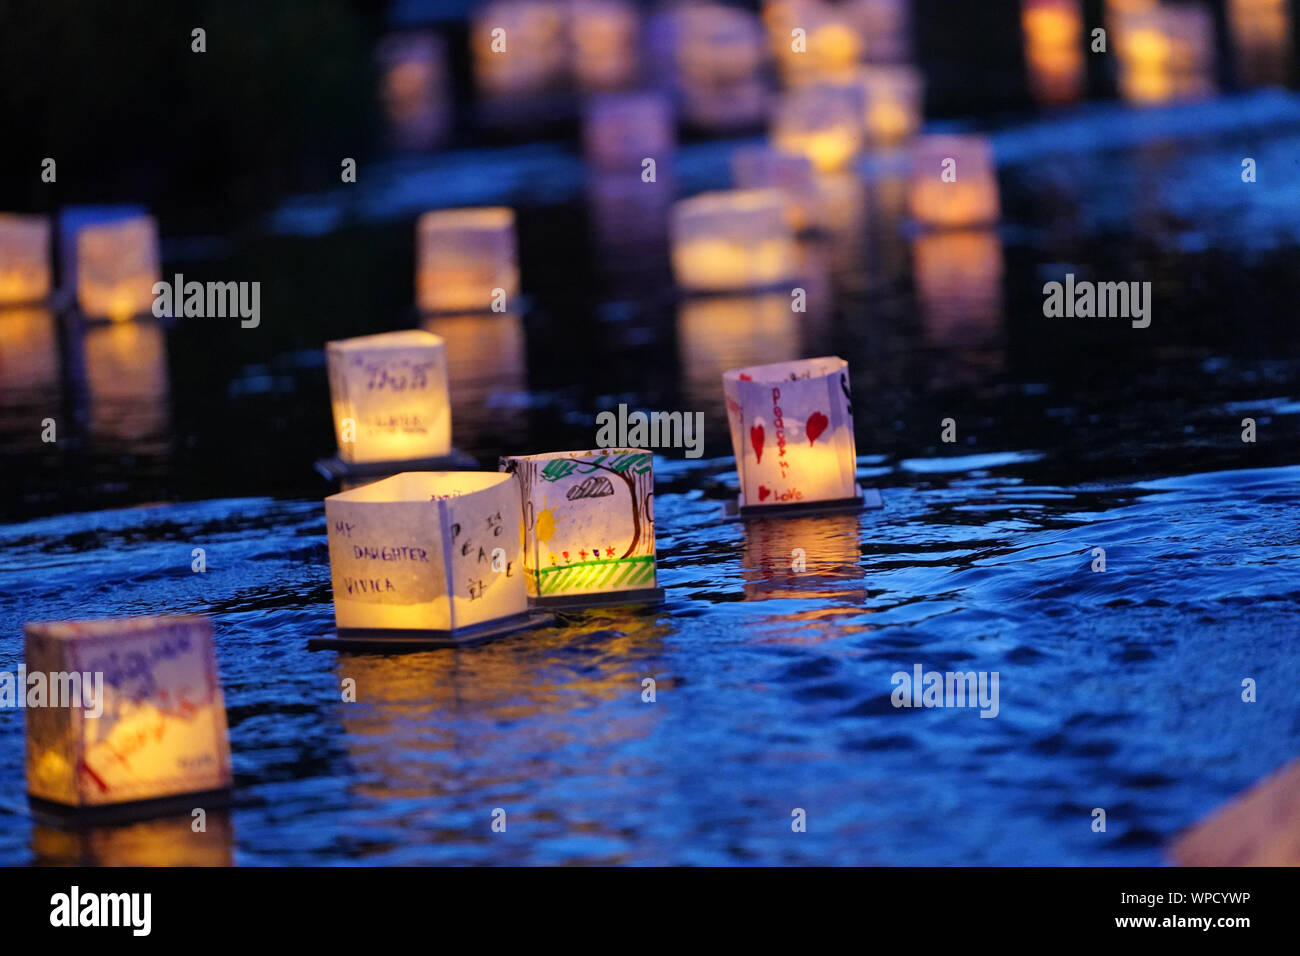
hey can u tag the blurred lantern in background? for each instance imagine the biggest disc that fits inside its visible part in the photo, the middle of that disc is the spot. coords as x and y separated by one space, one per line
894 101
126 381
812 40
958 279
162 729
389 394
1165 53
733 240
885 26
414 89
467 260
717 333
588 520
1053 49
767 167
629 218
605 39
427 550
24 259
519 47
621 130
792 433
954 182
1261 36
111 260
717 53
822 122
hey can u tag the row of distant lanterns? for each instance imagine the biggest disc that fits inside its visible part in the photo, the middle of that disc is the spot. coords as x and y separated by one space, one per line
454 552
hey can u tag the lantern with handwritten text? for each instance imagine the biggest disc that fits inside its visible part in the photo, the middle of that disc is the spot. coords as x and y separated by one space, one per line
467 260
589 528
24 259
389 393
153 726
792 434
733 240
954 182
433 551
116 266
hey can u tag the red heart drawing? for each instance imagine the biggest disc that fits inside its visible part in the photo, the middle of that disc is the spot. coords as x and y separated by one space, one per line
817 423
763 492
745 378
756 435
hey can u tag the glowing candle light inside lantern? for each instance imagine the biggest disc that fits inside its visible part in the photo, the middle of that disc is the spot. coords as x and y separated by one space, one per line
733 240
1261 32
467 260
827 45
718 52
413 88
954 182
162 730
116 267
427 550
389 393
588 520
604 36
1053 48
519 47
24 259
1165 53
823 122
885 26
621 130
894 98
792 432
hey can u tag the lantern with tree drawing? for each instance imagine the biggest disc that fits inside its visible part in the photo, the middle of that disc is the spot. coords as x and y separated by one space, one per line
588 524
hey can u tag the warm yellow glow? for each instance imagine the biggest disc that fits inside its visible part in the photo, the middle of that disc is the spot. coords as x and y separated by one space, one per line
29 354
24 259
588 519
426 550
389 396
126 380
717 333
1165 53
822 122
117 266
792 432
734 240
958 280
464 257
163 726
531 54
937 198
1054 48
828 49
171 841
1261 34
893 99
826 547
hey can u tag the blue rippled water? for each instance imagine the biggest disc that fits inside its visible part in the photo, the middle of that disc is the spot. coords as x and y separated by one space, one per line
1118 690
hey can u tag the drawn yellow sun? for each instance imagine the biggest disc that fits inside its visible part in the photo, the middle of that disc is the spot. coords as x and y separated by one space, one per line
546 522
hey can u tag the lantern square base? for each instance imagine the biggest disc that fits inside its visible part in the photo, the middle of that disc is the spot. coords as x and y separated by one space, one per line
392 641
133 811
578 602
336 469
867 498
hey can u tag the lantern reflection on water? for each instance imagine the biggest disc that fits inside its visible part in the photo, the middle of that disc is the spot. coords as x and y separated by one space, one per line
718 52
24 259
620 130
1261 35
467 260
389 395
954 182
413 88
29 355
126 380
172 841
116 263
605 35
792 434
894 99
588 520
822 122
1053 48
717 333
433 551
732 240
486 364
162 730
824 550
958 279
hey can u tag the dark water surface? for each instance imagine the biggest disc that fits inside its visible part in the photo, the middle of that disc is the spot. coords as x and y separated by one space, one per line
1118 690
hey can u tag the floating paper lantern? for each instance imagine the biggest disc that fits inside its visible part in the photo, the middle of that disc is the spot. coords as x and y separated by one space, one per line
718 52
822 122
1166 53
829 45
620 130
886 27
162 729
1261 34
1053 48
604 35
116 265
954 182
716 333
126 381
413 88
730 241
519 47
792 434
588 523
24 259
893 98
467 260
436 551
389 394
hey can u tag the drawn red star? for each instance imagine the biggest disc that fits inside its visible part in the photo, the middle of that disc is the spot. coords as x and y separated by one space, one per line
609 552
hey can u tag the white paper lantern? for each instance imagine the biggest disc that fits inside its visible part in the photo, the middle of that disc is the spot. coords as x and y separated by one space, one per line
822 122
893 99
604 37
519 47
436 551
829 45
732 241
467 260
390 399
1053 48
162 730
954 182
116 265
24 259
792 434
